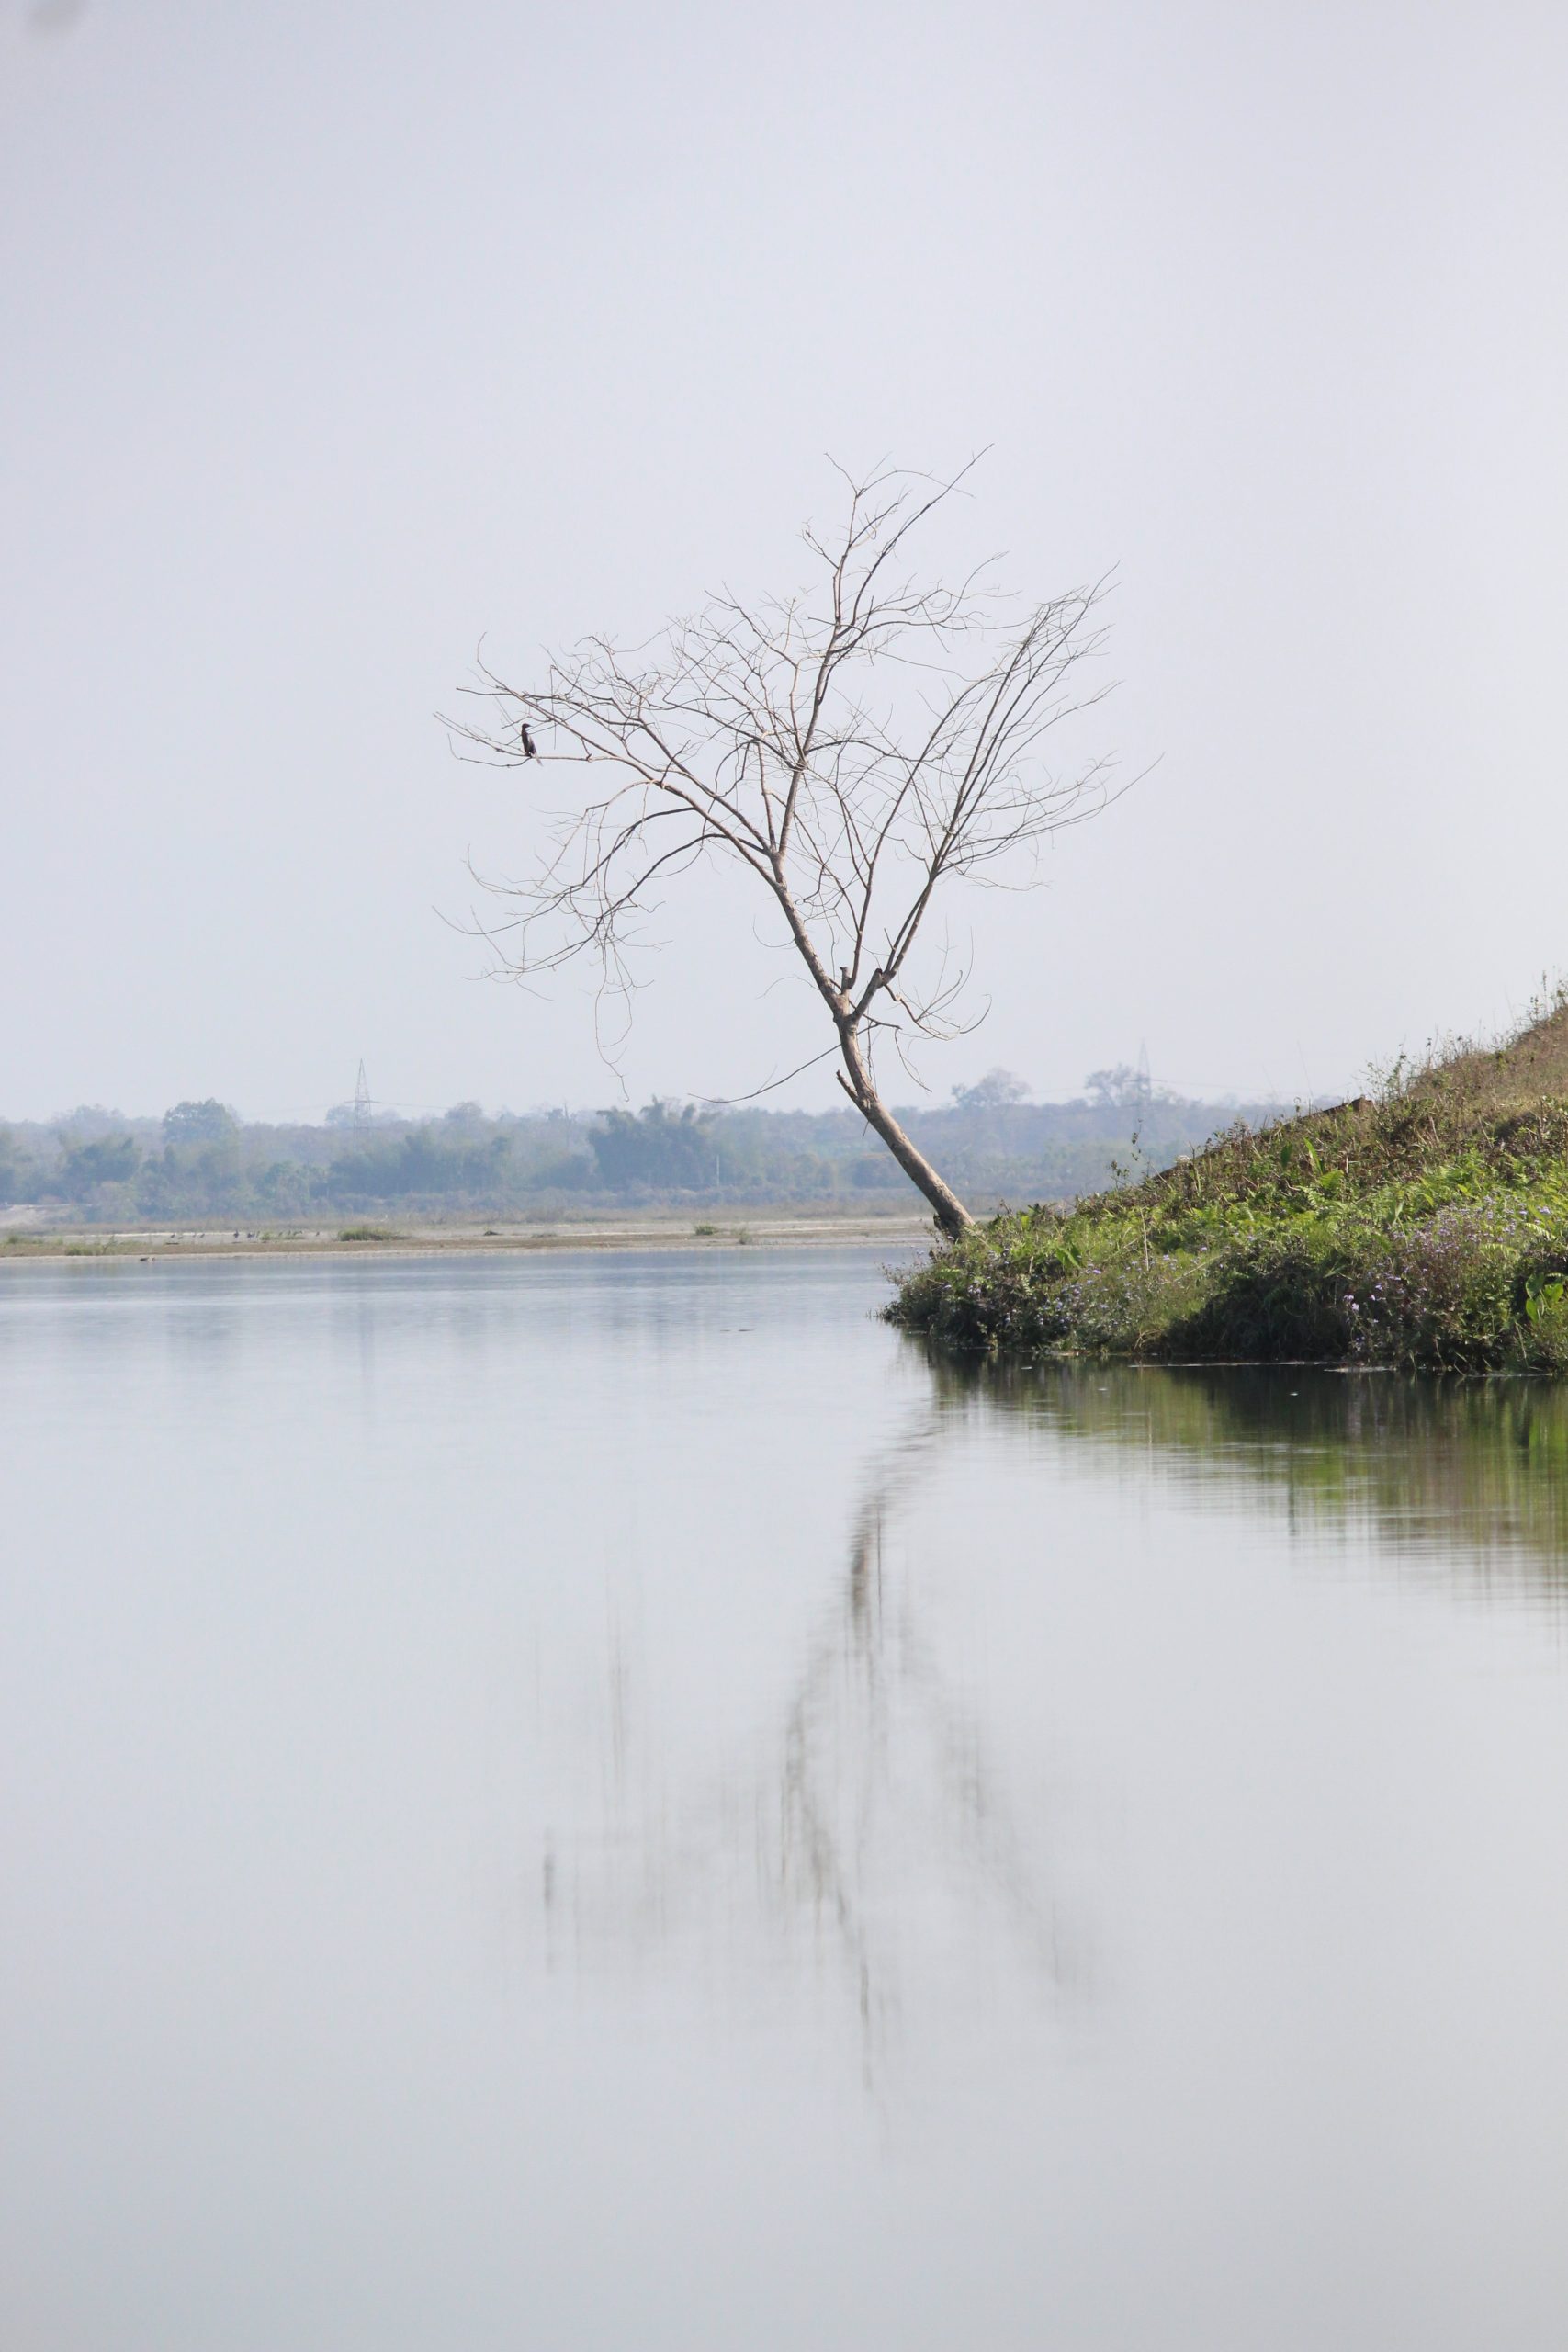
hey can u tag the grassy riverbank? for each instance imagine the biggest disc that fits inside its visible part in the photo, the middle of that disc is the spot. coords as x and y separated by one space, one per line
1424 1227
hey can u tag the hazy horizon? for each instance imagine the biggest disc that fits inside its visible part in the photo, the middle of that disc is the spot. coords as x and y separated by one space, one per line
411 1112
336 339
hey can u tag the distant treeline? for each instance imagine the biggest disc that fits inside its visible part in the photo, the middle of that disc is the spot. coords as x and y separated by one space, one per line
201 1161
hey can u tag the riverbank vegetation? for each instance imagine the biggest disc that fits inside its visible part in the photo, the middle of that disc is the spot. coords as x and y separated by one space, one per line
1423 1225
200 1163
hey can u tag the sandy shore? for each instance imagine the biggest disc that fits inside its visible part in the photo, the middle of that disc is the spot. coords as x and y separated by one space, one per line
27 1245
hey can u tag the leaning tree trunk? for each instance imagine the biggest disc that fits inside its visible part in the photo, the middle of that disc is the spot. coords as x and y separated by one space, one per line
951 1214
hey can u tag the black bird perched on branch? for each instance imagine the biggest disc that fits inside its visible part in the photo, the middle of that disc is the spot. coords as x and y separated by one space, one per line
530 749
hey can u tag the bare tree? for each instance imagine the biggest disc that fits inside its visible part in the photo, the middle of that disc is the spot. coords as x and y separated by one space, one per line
850 749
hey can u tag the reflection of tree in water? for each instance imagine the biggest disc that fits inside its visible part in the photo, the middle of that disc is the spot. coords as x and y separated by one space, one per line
877 1842
1471 1475
882 1839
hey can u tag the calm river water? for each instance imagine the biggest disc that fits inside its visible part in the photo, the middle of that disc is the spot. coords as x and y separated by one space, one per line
600 1802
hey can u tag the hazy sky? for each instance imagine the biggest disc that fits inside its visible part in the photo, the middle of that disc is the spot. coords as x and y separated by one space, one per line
334 336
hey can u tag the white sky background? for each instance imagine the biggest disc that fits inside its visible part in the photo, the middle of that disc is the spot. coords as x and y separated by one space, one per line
332 336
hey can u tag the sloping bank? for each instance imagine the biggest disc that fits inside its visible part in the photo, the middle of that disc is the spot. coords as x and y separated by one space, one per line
1426 1229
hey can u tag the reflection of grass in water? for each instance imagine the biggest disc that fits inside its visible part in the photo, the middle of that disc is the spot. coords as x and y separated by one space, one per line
1464 1465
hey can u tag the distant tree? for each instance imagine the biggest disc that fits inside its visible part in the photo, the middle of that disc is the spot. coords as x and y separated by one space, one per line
992 1093
206 1122
876 1175
87 1122
360 1118
421 1161
282 1186
108 1159
667 1150
1122 1088
566 1171
848 751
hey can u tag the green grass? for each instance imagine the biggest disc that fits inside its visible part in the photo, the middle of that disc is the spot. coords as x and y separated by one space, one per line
369 1233
1428 1226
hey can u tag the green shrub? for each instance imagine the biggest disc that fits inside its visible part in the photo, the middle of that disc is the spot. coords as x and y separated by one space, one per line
1422 1231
